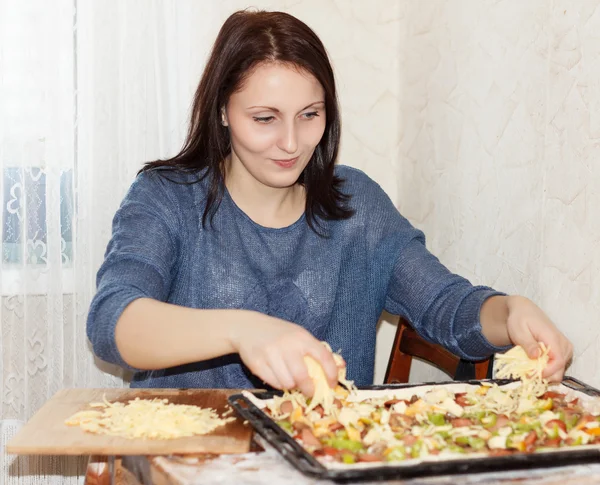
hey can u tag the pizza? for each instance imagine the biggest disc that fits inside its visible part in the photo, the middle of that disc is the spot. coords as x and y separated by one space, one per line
433 422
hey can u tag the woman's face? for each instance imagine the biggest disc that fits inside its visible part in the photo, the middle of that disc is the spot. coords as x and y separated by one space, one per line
276 120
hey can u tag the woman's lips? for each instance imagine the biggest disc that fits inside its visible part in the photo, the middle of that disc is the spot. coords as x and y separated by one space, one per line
290 162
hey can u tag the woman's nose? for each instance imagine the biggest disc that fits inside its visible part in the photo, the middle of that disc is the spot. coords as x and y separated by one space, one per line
288 141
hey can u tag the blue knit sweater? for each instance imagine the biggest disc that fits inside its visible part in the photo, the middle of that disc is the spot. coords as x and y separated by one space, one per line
335 287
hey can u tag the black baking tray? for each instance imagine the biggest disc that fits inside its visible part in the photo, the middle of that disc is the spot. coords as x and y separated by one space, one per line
302 460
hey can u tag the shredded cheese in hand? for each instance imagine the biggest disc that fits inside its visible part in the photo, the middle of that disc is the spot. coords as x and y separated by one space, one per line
323 394
516 364
149 419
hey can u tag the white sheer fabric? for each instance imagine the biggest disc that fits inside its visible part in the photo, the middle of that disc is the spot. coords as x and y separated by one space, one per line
88 91
48 256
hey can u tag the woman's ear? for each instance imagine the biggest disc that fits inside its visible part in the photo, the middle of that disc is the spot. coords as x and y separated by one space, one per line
224 120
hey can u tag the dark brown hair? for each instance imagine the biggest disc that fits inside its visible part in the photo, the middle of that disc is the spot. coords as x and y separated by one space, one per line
245 40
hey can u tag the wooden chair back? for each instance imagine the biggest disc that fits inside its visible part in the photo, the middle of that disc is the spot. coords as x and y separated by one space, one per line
408 344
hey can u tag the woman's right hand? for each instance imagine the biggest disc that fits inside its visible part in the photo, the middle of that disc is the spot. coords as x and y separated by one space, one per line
274 350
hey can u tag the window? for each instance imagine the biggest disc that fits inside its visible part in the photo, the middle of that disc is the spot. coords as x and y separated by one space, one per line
27 241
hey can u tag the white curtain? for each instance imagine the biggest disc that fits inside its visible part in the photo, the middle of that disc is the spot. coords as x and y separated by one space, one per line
48 256
89 91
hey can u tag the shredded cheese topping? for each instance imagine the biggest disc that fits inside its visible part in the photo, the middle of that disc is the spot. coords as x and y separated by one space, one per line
435 420
516 364
155 419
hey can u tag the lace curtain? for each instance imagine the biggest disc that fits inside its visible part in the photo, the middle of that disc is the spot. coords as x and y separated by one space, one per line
88 91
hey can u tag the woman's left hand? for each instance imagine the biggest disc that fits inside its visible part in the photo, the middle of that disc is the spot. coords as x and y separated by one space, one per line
527 325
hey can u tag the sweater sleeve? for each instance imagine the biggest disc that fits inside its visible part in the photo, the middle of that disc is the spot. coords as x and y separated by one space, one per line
139 262
443 307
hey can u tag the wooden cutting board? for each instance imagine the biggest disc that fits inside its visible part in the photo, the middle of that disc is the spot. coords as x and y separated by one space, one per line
47 434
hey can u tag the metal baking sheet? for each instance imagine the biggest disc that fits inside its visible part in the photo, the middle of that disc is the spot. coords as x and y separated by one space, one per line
301 459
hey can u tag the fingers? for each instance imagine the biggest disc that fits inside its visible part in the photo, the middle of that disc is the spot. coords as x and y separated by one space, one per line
560 348
264 372
556 365
527 325
560 351
307 387
324 357
275 352
560 356
299 372
521 335
559 360
280 370
556 377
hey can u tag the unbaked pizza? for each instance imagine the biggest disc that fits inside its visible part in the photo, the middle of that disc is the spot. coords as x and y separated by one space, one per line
455 420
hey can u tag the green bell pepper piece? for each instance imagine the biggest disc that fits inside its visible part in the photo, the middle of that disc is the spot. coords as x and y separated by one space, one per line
476 443
397 454
489 420
345 444
348 458
415 450
456 449
286 425
462 440
572 421
437 419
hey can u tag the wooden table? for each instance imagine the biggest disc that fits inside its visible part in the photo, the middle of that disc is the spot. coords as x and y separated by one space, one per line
269 468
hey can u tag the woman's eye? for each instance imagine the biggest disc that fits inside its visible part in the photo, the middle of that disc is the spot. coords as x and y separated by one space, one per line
310 116
263 119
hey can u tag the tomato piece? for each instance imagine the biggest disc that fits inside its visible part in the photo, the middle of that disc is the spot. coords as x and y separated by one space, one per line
369 457
552 443
529 441
410 440
460 422
330 451
461 400
556 423
530 438
336 427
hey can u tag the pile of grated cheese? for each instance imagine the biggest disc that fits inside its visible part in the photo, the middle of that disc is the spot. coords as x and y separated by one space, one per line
154 419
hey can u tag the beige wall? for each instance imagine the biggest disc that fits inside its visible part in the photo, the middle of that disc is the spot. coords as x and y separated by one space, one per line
499 159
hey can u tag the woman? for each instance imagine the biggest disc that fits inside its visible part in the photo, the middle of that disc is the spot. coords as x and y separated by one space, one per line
231 261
